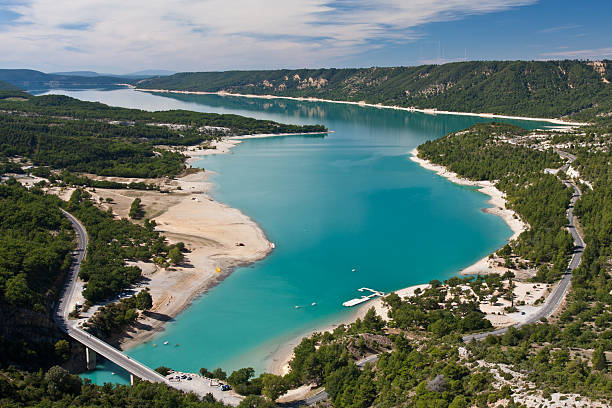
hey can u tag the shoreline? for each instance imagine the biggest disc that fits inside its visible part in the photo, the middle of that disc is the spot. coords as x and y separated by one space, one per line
219 236
280 358
431 111
211 230
497 200
225 145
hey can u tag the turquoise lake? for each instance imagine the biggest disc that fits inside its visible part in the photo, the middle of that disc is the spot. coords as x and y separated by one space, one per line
350 200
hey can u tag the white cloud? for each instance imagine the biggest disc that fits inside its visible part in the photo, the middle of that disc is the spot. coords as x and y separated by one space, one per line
556 29
216 34
594 53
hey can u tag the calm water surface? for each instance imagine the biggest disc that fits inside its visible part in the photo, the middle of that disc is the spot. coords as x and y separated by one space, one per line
349 200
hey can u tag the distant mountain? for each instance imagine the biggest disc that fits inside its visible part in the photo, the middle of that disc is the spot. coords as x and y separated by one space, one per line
81 73
140 74
523 88
31 79
151 73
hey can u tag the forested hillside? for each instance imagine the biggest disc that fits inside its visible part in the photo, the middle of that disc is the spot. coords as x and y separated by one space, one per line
35 243
31 79
65 133
528 88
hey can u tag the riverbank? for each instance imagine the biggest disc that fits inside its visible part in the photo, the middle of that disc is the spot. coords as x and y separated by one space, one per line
363 103
218 239
498 202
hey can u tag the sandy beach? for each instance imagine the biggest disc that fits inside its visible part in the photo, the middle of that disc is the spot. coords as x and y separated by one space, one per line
363 103
218 238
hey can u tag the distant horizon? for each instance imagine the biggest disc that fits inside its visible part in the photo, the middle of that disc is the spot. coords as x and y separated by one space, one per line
213 36
173 72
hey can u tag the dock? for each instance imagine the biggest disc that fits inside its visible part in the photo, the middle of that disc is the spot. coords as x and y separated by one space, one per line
364 298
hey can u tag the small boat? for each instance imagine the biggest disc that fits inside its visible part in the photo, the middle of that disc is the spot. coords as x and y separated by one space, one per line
165 343
314 303
113 373
272 245
154 345
176 345
353 270
297 307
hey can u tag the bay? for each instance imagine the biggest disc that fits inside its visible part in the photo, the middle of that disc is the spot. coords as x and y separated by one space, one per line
347 210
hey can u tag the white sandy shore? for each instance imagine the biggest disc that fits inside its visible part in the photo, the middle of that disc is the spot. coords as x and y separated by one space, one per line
362 103
497 200
219 238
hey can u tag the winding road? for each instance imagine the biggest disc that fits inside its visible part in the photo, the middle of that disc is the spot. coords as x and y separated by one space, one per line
558 294
63 309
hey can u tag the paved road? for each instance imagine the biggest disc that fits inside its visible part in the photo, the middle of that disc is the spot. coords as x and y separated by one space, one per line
370 359
70 286
556 297
62 311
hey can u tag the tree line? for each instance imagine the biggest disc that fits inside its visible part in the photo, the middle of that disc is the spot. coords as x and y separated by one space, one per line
525 88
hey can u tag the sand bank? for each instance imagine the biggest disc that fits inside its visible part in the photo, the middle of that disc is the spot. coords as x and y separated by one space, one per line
362 103
219 238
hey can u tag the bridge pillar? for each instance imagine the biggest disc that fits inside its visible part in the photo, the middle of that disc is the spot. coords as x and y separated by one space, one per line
90 358
131 379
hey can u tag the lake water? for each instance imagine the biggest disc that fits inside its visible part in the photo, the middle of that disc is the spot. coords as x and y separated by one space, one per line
350 200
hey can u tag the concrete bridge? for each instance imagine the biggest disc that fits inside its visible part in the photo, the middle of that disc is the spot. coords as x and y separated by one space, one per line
93 345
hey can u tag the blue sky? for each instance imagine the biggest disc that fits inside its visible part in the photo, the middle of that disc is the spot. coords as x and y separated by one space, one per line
200 35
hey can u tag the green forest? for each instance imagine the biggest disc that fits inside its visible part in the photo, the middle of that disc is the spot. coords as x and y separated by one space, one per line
68 134
526 88
35 242
5 86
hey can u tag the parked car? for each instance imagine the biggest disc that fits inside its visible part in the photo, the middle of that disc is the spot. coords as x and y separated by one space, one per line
225 387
